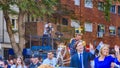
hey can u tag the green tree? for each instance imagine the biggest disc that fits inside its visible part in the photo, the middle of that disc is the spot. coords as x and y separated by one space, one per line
106 7
36 8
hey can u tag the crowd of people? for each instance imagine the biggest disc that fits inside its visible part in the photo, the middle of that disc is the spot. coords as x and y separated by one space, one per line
34 61
81 57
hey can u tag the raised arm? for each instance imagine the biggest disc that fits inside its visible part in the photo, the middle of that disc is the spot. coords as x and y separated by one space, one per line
117 53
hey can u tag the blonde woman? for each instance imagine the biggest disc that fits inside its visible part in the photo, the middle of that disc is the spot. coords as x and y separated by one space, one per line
19 63
104 60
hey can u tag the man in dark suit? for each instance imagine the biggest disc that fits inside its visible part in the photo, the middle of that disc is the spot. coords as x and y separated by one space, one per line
82 58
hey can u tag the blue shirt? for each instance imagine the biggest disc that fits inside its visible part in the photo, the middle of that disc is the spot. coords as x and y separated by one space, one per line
51 62
106 63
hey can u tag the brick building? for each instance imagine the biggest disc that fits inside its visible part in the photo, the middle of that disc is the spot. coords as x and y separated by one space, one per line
93 20
87 15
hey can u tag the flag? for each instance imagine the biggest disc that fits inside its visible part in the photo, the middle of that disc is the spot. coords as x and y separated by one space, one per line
99 45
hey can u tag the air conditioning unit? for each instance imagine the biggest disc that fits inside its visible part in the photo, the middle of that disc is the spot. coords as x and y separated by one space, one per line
100 34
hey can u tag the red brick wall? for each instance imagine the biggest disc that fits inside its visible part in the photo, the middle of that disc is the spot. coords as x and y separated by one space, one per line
95 16
40 28
84 14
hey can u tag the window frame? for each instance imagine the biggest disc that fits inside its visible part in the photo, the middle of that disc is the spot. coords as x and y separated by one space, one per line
66 23
88 3
15 24
118 9
88 27
118 29
77 2
100 30
111 9
112 28
101 6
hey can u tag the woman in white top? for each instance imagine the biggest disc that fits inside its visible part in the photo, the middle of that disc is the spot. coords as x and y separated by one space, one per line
19 63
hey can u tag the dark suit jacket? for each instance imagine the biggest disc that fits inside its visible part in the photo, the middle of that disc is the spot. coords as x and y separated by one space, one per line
87 56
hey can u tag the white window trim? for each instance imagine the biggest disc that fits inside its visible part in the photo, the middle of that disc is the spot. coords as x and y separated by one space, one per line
88 27
75 23
100 7
115 9
77 2
110 28
100 34
88 4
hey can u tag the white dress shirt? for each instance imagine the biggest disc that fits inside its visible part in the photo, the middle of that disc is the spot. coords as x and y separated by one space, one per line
81 58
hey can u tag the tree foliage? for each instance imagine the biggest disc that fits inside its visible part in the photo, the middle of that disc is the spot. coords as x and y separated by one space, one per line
107 6
36 8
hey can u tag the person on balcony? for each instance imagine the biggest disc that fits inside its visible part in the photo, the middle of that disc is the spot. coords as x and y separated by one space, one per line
78 37
48 28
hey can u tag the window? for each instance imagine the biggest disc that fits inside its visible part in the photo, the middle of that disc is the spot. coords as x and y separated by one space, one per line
88 4
113 9
119 31
64 21
112 30
77 2
13 24
118 9
88 27
101 30
100 6
75 23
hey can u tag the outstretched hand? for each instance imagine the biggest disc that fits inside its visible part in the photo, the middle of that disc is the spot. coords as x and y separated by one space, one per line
116 48
91 46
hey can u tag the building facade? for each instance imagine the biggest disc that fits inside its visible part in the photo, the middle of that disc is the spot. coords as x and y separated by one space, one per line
92 18
89 15
5 44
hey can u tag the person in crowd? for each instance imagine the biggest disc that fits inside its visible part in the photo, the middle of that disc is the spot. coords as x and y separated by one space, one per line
51 60
1 62
104 60
19 63
10 62
82 59
35 61
27 62
6 65
78 37
15 60
45 66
